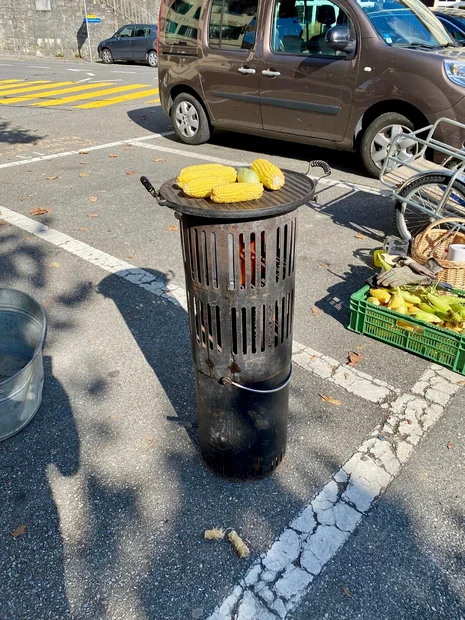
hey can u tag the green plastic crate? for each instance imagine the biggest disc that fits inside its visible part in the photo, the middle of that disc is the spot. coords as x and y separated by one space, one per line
440 345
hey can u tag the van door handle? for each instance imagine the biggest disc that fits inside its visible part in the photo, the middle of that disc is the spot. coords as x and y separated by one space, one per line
271 73
246 70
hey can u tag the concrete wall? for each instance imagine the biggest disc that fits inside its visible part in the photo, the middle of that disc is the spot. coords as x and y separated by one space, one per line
60 31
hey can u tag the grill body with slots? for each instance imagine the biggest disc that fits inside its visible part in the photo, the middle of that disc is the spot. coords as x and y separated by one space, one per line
239 263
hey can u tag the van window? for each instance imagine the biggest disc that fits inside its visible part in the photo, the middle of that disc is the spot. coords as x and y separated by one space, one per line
300 26
182 22
233 24
142 31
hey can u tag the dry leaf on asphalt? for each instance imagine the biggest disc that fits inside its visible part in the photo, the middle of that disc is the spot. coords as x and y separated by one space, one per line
314 311
130 172
83 228
93 198
22 199
52 178
360 236
449 445
83 152
354 358
329 399
92 215
19 531
159 159
461 383
3 223
346 591
83 163
324 264
56 265
171 228
112 155
39 211
83 174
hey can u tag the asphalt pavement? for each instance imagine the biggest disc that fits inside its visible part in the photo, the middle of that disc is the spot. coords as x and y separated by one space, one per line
104 496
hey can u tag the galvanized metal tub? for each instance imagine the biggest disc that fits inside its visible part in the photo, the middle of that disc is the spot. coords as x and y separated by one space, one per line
22 333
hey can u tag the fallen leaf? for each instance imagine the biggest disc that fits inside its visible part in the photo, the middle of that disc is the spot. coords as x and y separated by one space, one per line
159 159
52 178
409 422
130 256
19 531
93 198
346 376
56 265
461 383
449 445
39 211
83 228
330 399
314 311
83 174
22 199
92 215
130 172
173 227
83 163
324 264
112 155
354 358
360 236
346 591
83 152
3 223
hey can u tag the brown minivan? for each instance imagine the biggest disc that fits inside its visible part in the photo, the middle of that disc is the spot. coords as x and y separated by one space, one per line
342 74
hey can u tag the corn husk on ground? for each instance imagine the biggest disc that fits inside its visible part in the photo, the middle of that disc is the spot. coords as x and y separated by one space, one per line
425 303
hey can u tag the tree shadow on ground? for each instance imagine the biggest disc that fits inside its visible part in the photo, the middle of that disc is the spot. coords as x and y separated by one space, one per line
14 135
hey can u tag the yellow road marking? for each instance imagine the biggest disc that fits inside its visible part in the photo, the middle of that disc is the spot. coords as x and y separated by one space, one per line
153 101
113 100
92 95
32 88
49 93
8 81
9 87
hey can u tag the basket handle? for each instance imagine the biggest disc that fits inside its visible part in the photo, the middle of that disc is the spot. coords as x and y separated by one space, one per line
430 227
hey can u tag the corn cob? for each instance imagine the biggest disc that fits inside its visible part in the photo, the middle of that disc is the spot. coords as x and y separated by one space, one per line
270 175
381 294
374 301
202 187
236 192
196 172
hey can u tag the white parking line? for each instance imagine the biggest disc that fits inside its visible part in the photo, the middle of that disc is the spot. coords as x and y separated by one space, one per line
279 580
37 67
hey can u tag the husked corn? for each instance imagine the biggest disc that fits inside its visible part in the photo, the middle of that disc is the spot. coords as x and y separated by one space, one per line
237 192
270 175
202 187
228 173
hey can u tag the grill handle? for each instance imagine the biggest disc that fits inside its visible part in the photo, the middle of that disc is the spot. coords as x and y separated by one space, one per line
152 191
319 163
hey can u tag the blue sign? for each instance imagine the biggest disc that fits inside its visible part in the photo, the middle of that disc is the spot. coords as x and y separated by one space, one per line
93 20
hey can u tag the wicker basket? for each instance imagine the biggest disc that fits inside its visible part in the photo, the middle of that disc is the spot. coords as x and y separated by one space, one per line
433 243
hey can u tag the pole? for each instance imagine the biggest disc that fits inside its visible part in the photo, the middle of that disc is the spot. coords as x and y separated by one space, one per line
115 16
88 32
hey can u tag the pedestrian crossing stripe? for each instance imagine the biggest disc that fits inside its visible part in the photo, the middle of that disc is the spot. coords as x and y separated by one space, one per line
46 93
28 89
92 95
112 101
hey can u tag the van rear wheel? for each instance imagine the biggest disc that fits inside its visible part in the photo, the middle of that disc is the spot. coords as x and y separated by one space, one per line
190 121
378 137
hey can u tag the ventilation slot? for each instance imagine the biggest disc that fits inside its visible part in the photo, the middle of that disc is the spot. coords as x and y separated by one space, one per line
254 328
294 226
195 308
197 255
218 329
244 330
242 261
183 244
285 261
210 327
234 329
276 324
190 251
262 260
231 262
214 261
205 258
253 261
288 316
291 249
203 325
263 329
278 253
283 314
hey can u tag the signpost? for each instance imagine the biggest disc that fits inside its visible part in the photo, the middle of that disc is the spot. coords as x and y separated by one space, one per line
87 28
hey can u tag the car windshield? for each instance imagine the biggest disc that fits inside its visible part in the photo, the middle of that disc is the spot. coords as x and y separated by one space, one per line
406 23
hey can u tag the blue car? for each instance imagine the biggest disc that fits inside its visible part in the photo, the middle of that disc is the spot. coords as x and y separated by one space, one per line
453 21
133 43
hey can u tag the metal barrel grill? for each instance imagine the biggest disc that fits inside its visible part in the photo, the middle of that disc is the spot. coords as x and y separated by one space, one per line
239 262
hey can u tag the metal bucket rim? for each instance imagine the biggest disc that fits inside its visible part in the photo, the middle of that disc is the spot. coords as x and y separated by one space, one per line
40 344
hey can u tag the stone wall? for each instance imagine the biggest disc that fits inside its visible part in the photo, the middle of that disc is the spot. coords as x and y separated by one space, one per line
57 28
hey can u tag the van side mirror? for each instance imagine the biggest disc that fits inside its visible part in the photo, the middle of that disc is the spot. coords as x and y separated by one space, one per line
339 39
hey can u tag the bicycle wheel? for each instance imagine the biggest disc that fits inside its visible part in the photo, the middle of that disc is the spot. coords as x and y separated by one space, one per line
427 192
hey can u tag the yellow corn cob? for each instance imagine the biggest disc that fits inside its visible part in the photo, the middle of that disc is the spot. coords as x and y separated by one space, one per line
381 294
270 175
237 192
196 172
202 187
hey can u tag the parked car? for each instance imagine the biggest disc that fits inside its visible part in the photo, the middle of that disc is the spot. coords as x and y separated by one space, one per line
453 21
134 42
343 74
